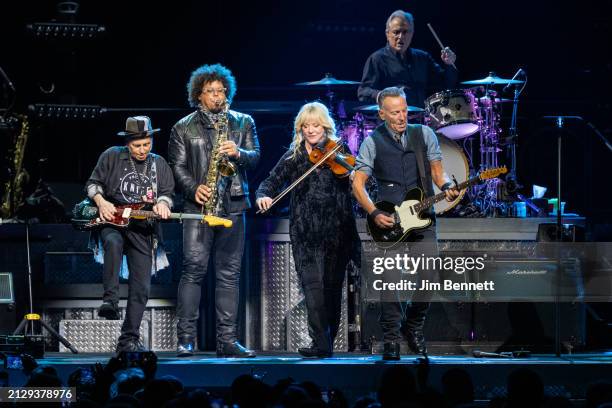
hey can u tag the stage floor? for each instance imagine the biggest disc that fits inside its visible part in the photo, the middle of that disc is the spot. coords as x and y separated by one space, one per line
359 374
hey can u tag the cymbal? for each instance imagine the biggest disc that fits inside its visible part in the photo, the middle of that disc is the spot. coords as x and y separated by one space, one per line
328 81
497 100
370 108
492 79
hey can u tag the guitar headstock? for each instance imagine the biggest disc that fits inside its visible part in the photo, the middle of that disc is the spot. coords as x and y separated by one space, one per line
492 173
213 221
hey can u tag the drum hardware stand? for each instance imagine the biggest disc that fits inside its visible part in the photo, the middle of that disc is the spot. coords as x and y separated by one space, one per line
488 195
512 131
489 152
31 316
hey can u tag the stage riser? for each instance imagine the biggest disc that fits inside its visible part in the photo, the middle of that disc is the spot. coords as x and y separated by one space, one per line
89 333
274 318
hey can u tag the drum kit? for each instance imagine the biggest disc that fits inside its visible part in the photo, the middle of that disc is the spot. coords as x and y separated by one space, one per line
457 116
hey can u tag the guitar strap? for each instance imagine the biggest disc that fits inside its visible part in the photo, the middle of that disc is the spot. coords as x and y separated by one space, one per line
418 145
154 178
154 240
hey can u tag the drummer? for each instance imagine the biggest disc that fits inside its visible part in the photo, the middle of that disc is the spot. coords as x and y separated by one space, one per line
413 70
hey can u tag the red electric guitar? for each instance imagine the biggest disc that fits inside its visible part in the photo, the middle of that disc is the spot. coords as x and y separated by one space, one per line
86 216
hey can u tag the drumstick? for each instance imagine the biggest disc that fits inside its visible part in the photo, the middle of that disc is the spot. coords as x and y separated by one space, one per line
438 40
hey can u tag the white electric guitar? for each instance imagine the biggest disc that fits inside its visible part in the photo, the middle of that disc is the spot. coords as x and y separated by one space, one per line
409 215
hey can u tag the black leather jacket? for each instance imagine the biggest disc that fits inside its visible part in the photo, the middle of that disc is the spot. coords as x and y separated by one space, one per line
191 141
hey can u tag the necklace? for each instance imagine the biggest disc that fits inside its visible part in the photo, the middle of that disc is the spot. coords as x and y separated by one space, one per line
144 171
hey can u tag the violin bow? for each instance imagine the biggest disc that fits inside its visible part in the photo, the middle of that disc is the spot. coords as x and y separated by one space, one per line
302 177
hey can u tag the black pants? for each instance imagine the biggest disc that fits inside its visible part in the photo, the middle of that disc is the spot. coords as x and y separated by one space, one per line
321 271
398 315
226 245
136 244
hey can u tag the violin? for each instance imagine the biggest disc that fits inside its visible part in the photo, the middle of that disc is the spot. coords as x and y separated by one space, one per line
327 152
341 164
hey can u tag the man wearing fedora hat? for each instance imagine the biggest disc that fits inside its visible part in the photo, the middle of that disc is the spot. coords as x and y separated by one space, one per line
130 174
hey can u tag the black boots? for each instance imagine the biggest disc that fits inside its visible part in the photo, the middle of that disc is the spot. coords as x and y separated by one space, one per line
391 351
416 341
186 346
312 351
234 349
130 346
109 311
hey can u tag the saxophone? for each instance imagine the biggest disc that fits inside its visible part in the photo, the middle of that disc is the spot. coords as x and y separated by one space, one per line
219 165
13 189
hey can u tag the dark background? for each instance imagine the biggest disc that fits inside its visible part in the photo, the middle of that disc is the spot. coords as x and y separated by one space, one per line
144 59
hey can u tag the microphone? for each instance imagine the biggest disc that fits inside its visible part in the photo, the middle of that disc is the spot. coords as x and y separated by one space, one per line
6 78
519 72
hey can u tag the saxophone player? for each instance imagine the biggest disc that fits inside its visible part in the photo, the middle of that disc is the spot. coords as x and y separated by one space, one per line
209 152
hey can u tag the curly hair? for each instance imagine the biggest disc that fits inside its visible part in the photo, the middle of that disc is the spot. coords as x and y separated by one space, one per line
206 74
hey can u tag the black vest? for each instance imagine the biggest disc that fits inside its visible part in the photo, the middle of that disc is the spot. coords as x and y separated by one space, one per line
397 170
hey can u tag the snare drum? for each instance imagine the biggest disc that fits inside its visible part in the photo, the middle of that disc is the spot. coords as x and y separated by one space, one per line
455 164
453 113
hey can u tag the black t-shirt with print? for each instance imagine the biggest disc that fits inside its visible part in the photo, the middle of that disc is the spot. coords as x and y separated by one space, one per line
133 187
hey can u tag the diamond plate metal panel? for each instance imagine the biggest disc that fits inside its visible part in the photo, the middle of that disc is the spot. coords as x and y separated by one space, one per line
298 324
97 336
283 310
163 329
298 328
275 261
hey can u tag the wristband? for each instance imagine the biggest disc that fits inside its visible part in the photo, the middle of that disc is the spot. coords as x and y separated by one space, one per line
374 213
446 186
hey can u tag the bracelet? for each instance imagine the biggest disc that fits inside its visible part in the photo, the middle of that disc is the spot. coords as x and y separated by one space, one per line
446 185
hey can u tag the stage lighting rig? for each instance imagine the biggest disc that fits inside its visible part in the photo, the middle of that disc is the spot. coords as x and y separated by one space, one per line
65 30
66 112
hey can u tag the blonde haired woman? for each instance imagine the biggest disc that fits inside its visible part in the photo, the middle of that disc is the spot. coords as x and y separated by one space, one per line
322 227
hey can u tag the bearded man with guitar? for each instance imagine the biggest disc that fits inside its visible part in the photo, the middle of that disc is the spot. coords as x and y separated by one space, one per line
400 157
128 175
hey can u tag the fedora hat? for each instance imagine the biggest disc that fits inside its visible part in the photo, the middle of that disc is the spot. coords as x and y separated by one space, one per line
138 127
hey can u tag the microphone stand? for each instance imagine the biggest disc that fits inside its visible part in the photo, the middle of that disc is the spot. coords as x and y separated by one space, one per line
513 132
559 122
28 319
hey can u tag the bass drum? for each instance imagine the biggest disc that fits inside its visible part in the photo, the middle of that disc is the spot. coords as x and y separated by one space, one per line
455 164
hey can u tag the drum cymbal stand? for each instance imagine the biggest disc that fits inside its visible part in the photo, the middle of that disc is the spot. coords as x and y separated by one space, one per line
512 131
488 193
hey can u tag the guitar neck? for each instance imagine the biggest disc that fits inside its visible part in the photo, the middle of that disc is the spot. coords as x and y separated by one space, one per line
428 202
173 216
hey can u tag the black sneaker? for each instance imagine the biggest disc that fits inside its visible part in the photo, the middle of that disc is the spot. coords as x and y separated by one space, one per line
234 349
109 311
